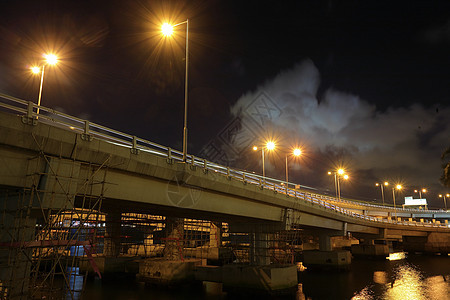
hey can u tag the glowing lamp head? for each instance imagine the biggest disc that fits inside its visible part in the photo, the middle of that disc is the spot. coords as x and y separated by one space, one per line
440 195
35 70
51 59
167 29
424 190
448 195
386 183
270 145
346 177
341 171
377 184
398 187
329 173
255 148
297 152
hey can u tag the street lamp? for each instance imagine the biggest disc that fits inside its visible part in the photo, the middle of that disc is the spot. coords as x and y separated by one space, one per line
50 59
337 175
382 189
445 199
420 192
167 30
270 145
296 152
398 187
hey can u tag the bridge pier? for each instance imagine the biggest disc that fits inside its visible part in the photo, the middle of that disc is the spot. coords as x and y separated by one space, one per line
326 257
368 248
17 230
112 243
174 241
432 243
259 249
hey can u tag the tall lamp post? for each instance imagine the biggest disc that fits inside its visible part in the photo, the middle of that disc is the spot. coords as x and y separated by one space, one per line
423 190
445 199
337 175
50 59
398 187
382 189
269 146
296 152
167 31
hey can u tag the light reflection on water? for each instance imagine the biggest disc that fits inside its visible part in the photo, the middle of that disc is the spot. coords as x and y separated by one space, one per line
407 283
418 278
75 288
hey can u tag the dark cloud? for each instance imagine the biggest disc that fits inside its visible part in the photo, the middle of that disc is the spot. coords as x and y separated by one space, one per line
400 143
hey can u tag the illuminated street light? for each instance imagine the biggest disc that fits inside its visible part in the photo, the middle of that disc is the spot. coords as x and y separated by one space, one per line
446 196
296 152
398 187
423 190
50 59
382 189
337 175
270 145
167 30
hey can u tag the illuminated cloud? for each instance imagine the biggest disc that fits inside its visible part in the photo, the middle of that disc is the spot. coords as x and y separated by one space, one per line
401 142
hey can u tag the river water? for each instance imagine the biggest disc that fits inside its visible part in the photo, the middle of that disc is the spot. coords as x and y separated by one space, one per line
415 278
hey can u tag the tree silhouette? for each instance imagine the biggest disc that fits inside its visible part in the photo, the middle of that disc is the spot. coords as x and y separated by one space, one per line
445 178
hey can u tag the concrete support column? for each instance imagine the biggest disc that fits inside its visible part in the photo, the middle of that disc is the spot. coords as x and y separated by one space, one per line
16 231
215 235
173 249
259 249
112 245
325 243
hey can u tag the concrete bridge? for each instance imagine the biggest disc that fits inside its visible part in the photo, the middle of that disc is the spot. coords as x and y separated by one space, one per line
63 162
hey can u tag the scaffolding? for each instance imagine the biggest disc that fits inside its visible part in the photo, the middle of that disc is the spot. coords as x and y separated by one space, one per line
57 222
48 227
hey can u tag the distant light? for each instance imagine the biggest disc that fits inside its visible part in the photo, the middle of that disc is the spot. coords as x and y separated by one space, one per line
297 152
329 173
167 29
255 148
396 256
270 145
377 184
51 59
35 70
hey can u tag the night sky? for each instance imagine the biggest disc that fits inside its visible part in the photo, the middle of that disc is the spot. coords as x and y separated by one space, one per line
362 84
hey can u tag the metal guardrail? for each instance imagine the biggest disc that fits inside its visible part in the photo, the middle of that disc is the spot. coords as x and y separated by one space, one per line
27 110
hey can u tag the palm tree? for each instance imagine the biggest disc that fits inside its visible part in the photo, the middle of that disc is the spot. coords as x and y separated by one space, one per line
445 178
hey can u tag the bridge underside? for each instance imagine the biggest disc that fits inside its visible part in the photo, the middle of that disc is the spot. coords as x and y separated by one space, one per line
63 190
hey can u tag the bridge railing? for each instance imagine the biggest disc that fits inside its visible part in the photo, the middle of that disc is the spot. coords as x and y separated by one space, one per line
88 130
